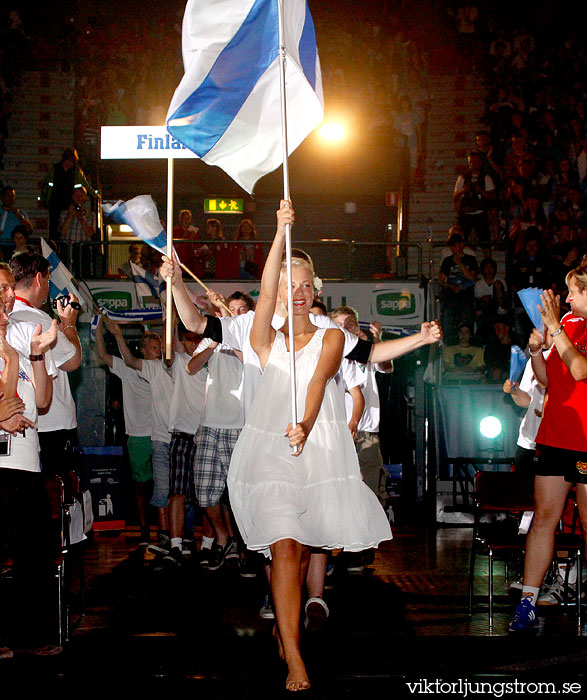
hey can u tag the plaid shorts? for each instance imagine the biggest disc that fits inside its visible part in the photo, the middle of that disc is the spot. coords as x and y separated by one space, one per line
214 448
182 453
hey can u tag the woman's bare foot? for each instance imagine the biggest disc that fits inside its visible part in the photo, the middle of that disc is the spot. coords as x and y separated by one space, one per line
297 678
279 642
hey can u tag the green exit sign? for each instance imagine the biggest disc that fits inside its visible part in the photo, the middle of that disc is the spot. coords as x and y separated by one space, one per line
224 205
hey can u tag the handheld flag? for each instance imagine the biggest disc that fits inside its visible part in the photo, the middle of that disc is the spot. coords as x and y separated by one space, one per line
60 278
517 362
140 213
226 108
530 298
146 285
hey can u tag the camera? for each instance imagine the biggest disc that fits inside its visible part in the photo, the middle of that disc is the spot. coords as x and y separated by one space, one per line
64 301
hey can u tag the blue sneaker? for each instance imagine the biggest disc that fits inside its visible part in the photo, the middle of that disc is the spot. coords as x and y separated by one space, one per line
525 617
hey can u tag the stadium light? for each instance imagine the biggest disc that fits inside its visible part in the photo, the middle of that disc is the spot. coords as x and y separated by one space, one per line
332 132
490 427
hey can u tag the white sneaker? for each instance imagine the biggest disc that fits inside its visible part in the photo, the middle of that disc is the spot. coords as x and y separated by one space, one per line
266 612
556 593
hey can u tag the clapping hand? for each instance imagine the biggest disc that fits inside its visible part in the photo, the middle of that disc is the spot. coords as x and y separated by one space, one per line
41 342
550 309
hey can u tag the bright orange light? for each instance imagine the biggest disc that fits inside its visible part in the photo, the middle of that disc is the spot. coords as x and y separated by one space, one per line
332 132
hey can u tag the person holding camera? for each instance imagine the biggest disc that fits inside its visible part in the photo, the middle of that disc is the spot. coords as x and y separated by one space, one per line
76 223
57 426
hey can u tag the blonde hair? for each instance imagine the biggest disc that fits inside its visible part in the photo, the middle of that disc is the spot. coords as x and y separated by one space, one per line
298 262
579 274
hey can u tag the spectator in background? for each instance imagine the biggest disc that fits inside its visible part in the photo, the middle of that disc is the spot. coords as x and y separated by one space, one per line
58 186
20 239
76 223
189 253
251 257
11 216
463 361
497 353
490 297
137 255
473 194
457 277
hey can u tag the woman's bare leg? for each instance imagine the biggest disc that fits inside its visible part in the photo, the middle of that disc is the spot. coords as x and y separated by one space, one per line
550 496
288 570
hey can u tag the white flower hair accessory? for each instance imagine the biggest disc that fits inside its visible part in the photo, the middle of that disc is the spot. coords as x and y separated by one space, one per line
317 283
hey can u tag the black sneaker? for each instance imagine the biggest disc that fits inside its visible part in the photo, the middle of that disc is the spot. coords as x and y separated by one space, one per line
204 556
248 567
174 556
232 549
218 556
162 545
145 537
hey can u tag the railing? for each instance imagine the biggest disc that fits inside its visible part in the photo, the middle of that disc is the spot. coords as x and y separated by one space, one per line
334 258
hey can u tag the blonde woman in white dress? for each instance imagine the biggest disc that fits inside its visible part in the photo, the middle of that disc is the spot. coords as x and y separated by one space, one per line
285 502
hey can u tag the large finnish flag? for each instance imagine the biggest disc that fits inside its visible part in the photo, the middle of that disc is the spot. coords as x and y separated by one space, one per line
140 213
60 278
227 108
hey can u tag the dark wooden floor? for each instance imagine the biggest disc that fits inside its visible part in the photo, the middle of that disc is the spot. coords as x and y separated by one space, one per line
197 633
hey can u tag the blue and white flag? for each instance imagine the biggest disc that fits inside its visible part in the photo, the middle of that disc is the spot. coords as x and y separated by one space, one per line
146 286
530 298
60 278
227 107
140 213
130 316
518 362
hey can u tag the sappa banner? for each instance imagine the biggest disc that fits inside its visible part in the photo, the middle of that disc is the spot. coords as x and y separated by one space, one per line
398 306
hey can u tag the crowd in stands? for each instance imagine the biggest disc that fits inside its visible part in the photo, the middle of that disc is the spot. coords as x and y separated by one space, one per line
524 187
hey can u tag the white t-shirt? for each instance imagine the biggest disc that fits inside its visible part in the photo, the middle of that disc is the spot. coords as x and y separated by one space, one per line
236 333
349 376
530 421
370 419
224 405
482 289
136 399
189 394
24 449
61 414
161 385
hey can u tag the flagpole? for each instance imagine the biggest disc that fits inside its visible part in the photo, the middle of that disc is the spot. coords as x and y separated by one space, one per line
169 302
286 196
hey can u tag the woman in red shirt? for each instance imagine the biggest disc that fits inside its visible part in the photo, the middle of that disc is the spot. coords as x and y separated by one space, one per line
561 442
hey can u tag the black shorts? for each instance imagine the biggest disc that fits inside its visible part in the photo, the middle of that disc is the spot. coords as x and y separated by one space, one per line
556 461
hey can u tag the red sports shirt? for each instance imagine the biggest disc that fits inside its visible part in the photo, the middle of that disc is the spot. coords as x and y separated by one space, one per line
564 418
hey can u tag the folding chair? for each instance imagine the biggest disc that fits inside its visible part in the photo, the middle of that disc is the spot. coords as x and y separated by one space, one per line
511 493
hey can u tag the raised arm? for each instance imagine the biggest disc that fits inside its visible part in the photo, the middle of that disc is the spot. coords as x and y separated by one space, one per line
101 345
199 359
40 343
68 318
430 333
129 359
262 334
328 365
191 318
575 361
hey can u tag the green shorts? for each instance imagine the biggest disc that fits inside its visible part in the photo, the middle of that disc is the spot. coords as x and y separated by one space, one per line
139 454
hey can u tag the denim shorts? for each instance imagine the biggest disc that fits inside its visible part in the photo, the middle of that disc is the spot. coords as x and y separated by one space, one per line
160 460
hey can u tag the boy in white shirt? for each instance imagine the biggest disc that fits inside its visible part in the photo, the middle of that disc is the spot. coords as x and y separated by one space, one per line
136 404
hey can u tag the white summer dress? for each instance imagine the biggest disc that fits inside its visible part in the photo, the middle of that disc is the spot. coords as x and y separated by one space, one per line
318 498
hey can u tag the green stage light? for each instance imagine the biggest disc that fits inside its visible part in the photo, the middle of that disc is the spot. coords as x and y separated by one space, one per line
490 427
